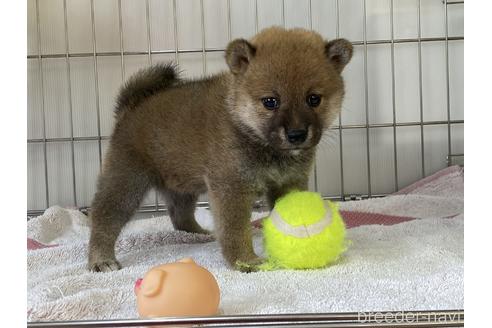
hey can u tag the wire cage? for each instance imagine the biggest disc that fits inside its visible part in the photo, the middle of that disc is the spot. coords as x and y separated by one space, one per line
402 117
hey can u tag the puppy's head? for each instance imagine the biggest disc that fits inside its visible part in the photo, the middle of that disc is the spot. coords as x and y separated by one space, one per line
287 85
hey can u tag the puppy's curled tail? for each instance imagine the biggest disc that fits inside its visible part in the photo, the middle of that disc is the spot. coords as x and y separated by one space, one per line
145 83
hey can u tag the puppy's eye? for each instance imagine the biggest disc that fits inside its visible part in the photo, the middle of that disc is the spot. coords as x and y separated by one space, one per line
313 100
271 103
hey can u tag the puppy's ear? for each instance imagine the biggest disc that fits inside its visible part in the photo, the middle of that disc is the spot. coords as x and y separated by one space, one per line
339 53
238 55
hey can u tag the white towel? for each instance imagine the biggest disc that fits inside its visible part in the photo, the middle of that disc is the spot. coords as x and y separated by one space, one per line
414 265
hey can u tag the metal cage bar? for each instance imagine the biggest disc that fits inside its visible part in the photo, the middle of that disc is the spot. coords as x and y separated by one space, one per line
446 44
199 50
256 16
229 22
340 132
204 53
70 105
41 75
449 318
149 33
282 13
122 53
310 22
175 30
366 99
258 205
393 91
421 96
342 127
149 59
96 84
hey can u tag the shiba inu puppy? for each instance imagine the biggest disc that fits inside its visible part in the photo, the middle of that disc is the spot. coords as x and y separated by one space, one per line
250 131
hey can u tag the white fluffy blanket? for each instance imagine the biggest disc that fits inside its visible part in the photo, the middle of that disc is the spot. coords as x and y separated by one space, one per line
406 254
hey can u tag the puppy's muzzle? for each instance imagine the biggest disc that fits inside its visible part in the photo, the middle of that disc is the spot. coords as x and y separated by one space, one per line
296 136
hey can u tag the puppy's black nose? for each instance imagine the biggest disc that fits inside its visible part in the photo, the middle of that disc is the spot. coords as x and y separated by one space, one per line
296 137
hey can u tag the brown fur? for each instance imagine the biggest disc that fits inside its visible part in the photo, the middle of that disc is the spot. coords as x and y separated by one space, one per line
215 135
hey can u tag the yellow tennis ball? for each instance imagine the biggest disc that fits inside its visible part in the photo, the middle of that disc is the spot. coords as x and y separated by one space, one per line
303 232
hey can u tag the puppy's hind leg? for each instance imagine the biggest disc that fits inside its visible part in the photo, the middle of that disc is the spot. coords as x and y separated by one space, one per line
181 207
121 187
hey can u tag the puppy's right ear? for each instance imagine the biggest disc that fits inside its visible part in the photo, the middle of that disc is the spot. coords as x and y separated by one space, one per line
339 53
238 55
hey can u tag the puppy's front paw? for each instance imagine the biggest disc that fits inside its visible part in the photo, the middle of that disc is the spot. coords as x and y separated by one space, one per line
105 266
250 265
